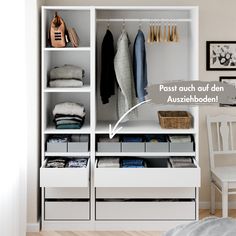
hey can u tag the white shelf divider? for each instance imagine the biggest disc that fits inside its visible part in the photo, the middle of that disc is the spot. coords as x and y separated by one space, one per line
145 154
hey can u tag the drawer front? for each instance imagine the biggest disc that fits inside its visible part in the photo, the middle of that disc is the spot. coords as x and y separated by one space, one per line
66 193
78 147
109 147
133 147
145 210
64 177
153 193
147 177
56 147
181 147
66 210
157 147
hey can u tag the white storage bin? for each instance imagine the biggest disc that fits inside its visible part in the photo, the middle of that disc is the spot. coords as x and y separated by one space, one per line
133 147
77 146
157 147
66 210
56 147
109 146
66 193
64 177
150 210
181 147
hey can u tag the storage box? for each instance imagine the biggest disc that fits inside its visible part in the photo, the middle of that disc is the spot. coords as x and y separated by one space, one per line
175 119
56 147
133 147
157 147
77 146
182 147
109 147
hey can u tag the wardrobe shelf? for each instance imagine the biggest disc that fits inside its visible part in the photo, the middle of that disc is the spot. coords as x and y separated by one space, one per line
67 154
84 89
140 127
147 154
52 130
67 49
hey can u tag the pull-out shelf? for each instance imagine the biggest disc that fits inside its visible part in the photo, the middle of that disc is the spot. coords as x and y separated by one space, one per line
64 177
147 177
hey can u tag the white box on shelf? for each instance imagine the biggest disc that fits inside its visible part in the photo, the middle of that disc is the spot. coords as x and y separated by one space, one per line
56 147
109 146
77 146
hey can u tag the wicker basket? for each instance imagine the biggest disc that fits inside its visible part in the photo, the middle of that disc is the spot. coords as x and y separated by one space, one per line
175 119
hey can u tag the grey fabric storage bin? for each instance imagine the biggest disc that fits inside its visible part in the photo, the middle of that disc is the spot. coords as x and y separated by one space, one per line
157 147
109 147
181 147
56 147
133 147
77 146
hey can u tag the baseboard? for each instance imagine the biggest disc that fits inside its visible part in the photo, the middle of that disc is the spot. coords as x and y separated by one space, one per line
206 205
33 227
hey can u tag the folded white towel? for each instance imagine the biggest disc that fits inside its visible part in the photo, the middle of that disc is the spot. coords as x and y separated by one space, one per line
67 72
65 83
69 108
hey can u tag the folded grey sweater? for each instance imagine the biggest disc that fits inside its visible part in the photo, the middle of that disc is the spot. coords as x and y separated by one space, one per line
67 72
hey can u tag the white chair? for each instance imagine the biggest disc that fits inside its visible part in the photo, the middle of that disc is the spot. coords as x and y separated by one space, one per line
221 138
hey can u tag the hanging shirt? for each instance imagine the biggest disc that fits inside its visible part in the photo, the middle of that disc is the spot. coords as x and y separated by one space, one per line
140 66
124 75
108 77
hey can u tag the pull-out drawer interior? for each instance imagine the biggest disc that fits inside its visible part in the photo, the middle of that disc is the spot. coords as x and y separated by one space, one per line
67 210
156 175
145 193
66 193
145 210
64 177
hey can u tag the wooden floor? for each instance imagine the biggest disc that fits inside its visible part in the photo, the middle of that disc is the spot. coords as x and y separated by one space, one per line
203 214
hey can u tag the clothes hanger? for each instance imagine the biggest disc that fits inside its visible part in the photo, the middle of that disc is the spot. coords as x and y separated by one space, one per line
123 26
168 36
176 34
160 33
164 34
108 24
172 36
140 25
155 32
149 34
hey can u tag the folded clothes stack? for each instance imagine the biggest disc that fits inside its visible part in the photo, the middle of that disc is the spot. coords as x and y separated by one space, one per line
77 163
79 138
108 162
155 138
69 115
56 163
180 138
181 162
66 76
59 139
132 138
105 138
67 162
133 163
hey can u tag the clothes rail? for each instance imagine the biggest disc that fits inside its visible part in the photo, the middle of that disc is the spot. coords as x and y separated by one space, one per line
143 20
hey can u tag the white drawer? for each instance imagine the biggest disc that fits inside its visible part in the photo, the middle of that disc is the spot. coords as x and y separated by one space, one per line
70 193
145 210
66 210
147 177
153 193
64 177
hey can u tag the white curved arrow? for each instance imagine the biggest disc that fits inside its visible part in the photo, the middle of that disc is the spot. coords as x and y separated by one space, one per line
114 131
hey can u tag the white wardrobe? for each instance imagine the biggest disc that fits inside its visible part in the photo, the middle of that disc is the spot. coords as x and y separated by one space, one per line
93 198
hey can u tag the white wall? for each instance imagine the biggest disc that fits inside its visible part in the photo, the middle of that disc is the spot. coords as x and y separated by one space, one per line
217 22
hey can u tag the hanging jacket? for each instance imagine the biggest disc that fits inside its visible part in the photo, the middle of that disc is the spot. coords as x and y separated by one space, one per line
124 76
140 66
108 77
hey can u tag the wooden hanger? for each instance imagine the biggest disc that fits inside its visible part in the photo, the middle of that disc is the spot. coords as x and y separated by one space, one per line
168 36
164 34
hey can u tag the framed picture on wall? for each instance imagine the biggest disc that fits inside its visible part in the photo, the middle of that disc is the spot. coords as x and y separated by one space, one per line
232 81
221 55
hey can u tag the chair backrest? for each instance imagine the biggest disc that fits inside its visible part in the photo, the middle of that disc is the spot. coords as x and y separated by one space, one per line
221 136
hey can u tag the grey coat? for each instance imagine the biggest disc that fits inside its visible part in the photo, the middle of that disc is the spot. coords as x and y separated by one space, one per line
124 75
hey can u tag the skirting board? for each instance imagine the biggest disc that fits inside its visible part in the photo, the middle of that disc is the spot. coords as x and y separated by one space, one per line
206 205
33 227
